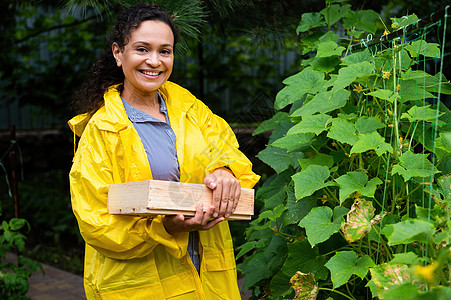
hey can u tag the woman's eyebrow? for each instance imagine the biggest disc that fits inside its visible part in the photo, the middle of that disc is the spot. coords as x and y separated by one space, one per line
146 43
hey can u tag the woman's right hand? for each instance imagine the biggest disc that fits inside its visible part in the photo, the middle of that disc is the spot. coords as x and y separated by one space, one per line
200 221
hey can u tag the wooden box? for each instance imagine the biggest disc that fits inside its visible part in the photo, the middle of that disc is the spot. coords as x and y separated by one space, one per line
157 197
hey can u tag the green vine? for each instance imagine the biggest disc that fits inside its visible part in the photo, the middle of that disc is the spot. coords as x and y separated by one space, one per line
355 169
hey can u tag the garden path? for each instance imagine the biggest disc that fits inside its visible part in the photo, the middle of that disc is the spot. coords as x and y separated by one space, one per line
57 284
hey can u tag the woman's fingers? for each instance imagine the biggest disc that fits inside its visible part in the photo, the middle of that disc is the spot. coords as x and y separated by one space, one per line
201 221
226 199
226 191
211 181
236 199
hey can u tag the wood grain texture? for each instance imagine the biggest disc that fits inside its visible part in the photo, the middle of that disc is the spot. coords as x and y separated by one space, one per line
157 197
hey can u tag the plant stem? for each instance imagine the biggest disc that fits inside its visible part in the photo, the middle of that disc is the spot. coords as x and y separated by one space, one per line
332 195
413 190
389 254
314 149
440 160
338 292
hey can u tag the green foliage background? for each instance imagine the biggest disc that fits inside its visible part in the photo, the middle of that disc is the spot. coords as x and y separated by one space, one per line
359 205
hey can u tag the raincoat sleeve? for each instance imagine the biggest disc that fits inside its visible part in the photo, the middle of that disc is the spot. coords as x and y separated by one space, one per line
223 147
115 236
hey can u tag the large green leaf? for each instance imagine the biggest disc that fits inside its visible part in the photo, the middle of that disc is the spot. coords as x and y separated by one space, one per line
435 84
359 220
427 136
437 216
288 95
363 19
309 21
368 124
409 231
261 264
436 293
384 95
411 90
294 142
349 74
273 185
333 13
358 57
320 159
310 180
280 131
371 141
329 36
325 64
445 185
426 81
319 224
329 48
385 276
297 210
255 268
323 102
271 123
276 199
304 286
403 291
302 257
403 21
343 131
414 165
279 159
444 141
421 47
357 182
346 263
316 124
309 41
280 285
407 258
306 81
423 113
249 246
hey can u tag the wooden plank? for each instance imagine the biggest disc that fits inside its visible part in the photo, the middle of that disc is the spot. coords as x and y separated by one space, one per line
157 197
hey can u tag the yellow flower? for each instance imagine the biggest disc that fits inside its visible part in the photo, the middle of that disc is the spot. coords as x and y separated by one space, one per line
386 75
386 32
358 88
427 272
399 87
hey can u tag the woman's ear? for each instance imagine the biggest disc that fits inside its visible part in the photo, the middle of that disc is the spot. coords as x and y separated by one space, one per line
116 53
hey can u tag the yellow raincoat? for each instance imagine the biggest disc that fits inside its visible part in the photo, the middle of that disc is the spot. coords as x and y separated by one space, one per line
130 257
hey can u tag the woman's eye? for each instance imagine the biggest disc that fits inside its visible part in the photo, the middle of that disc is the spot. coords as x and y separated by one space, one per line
141 49
166 51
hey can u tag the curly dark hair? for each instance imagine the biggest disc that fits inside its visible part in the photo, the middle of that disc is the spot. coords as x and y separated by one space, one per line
105 72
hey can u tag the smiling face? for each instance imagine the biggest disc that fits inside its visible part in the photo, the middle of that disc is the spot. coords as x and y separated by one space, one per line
146 60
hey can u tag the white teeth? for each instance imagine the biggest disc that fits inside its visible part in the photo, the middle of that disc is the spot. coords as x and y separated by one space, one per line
151 73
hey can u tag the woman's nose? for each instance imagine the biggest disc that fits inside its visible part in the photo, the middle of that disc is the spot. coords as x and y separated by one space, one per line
153 59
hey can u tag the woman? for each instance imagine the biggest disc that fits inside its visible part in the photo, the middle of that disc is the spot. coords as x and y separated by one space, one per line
136 125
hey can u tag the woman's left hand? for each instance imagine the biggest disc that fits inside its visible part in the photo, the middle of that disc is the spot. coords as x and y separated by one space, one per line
226 191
